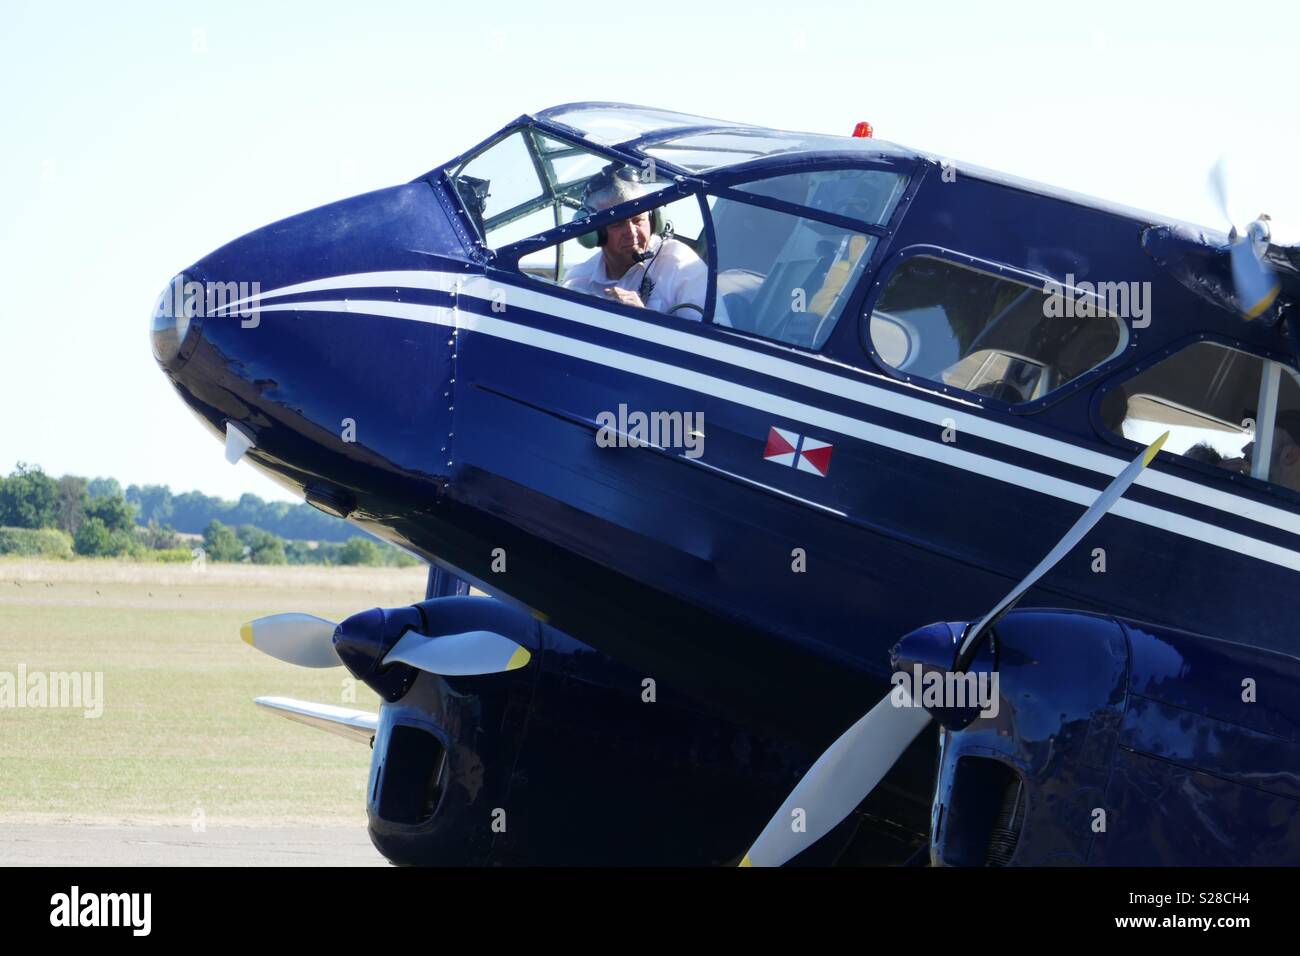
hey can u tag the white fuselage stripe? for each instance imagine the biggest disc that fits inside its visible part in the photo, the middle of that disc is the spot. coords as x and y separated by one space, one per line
747 357
942 452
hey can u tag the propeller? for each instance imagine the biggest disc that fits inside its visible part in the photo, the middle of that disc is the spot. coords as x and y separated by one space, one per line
308 641
850 768
294 638
1253 280
459 655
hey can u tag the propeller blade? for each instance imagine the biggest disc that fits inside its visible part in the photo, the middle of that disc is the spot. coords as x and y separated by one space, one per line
840 779
459 655
238 441
294 638
1087 521
1254 282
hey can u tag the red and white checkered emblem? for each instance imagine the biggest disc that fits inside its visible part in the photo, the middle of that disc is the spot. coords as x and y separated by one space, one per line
781 446
815 456
792 450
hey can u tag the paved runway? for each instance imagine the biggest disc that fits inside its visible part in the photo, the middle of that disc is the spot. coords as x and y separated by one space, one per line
79 845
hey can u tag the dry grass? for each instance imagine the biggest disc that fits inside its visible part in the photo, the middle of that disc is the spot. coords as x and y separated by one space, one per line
179 734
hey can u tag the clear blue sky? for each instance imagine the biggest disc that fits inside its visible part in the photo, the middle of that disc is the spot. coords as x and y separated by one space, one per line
138 137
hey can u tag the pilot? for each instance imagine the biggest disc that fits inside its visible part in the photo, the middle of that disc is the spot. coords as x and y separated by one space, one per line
1284 469
638 264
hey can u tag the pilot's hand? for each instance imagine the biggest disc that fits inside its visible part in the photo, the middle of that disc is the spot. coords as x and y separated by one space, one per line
625 296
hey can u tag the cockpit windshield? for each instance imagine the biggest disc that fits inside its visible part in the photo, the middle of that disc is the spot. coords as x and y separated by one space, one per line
525 183
610 124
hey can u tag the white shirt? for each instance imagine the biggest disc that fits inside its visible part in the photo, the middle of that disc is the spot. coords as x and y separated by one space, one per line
678 275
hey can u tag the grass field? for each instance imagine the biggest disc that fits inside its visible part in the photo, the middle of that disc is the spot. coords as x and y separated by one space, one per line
179 738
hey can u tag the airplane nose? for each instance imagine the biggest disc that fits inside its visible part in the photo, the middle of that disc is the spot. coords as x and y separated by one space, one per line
315 345
174 325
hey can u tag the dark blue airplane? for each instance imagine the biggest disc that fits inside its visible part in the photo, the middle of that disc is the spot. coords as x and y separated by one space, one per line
716 414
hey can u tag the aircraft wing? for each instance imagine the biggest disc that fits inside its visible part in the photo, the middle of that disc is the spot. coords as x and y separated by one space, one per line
353 724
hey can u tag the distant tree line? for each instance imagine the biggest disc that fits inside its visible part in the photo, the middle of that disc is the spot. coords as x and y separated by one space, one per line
248 543
192 511
45 516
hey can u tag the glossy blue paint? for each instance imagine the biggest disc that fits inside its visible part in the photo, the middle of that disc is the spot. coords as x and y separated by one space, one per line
475 431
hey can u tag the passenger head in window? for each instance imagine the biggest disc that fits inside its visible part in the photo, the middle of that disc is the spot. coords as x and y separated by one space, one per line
1284 469
1284 463
1204 452
638 262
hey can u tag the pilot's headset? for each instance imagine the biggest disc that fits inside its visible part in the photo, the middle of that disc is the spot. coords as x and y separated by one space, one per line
624 180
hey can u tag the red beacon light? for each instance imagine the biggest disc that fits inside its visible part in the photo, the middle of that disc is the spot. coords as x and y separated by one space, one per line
863 130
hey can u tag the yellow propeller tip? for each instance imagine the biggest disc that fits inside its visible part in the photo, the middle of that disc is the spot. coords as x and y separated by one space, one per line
746 861
1262 305
246 634
518 659
1154 448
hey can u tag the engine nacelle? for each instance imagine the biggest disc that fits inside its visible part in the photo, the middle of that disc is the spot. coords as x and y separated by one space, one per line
573 759
1117 744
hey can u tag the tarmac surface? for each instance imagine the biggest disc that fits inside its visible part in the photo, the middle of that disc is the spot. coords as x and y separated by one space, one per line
113 845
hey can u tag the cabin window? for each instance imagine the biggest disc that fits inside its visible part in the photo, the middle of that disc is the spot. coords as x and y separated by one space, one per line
1222 407
989 334
784 276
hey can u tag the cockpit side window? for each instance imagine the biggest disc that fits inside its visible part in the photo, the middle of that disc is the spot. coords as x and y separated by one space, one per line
790 259
1223 407
993 335
782 276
